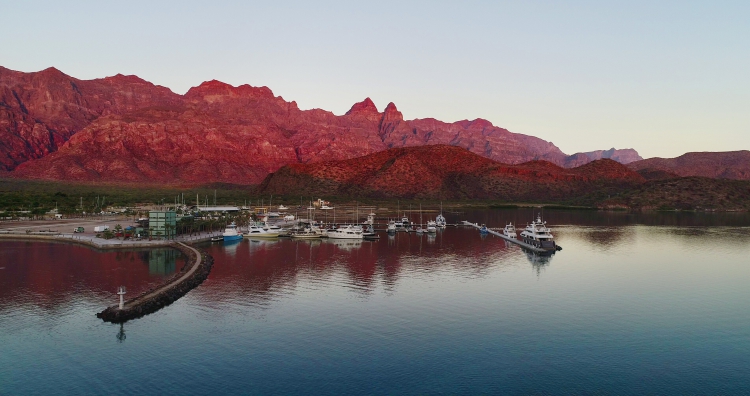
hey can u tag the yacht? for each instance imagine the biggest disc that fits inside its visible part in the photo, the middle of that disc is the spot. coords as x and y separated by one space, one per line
440 221
538 235
346 232
305 233
391 226
510 231
254 231
431 226
231 233
282 207
370 233
370 219
273 229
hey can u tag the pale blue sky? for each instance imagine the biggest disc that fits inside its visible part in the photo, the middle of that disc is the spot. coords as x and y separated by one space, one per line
663 77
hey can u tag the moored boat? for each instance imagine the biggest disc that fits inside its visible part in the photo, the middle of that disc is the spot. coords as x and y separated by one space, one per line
537 234
510 231
231 233
255 231
346 232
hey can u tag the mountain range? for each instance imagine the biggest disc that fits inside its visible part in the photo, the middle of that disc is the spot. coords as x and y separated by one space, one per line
123 129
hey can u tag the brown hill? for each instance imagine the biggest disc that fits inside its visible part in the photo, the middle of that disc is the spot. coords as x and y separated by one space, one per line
685 193
722 165
127 129
444 171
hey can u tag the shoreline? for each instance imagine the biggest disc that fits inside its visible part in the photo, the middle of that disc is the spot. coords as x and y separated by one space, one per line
109 243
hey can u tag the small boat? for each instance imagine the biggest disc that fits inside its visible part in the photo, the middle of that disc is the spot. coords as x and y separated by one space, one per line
231 233
510 231
483 229
370 219
440 221
420 230
431 227
217 239
326 207
282 207
346 232
538 235
391 227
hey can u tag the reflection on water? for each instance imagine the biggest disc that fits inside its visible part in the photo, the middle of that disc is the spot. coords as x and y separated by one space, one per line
631 305
162 261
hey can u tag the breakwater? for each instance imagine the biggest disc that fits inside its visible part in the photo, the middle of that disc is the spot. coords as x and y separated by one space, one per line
194 272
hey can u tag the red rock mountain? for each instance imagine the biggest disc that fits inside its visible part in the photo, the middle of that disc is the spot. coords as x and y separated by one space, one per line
444 171
722 165
624 156
124 129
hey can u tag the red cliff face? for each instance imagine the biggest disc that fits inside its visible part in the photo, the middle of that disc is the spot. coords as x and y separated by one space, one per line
40 111
721 165
122 128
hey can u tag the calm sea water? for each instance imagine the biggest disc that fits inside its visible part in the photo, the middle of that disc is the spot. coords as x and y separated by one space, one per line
634 304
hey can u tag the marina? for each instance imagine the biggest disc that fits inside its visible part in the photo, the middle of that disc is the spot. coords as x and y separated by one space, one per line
408 303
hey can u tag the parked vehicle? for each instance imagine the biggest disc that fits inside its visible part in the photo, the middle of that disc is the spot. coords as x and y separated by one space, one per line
78 230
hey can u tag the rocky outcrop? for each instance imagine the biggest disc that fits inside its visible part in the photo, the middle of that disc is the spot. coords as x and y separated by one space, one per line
722 165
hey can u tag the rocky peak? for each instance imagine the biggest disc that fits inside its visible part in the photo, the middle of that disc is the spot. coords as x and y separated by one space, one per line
365 107
391 114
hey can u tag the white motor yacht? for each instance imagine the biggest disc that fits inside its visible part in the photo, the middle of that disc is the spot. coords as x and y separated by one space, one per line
346 232
391 226
510 231
440 221
538 235
255 231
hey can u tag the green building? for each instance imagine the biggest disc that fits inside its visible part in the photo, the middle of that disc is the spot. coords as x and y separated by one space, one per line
162 224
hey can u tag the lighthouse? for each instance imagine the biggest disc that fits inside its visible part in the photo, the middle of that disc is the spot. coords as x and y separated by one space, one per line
121 292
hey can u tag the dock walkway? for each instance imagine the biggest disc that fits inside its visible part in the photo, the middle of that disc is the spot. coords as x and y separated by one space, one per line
511 240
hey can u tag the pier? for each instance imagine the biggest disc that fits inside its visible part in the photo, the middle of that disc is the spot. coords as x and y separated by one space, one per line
194 272
511 240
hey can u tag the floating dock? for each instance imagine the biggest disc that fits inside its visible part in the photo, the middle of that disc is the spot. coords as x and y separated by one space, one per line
511 240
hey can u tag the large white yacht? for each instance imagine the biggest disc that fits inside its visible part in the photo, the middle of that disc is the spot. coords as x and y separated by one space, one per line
346 232
254 231
538 235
